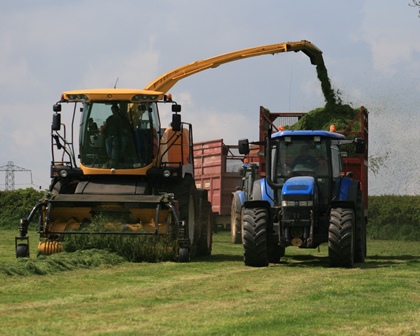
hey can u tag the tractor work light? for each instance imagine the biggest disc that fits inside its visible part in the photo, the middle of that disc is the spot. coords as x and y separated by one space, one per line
77 97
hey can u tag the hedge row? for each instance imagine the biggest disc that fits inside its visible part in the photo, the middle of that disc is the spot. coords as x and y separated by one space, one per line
390 217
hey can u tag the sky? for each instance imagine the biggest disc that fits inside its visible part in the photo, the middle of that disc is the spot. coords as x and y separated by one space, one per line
371 49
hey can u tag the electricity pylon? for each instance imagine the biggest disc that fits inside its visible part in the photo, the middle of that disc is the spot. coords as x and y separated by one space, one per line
10 170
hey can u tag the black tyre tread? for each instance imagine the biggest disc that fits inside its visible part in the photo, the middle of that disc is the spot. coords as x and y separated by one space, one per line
235 223
22 251
255 237
205 240
340 238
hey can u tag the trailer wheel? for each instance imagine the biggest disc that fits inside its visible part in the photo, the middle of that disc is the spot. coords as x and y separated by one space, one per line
360 242
184 254
255 237
341 237
235 223
22 251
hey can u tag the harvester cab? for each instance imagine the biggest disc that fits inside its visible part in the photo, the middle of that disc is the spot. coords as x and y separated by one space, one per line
305 199
129 174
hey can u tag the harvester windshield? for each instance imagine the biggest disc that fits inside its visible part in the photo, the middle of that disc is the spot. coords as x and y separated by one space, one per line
118 134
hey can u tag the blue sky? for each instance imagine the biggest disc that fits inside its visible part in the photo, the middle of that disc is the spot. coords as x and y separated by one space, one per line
371 49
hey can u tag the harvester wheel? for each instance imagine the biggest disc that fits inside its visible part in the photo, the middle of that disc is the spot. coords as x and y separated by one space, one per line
255 237
235 223
184 254
205 241
341 237
22 251
360 243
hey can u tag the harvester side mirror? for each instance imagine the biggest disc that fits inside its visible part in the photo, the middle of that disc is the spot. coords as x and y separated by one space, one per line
359 145
56 123
57 107
243 146
176 122
176 108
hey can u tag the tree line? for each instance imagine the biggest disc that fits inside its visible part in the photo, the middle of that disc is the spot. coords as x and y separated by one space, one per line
390 217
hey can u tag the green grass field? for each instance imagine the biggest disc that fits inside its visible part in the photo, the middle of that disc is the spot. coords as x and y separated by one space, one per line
216 295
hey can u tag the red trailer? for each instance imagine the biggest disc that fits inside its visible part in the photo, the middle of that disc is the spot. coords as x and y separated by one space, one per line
216 167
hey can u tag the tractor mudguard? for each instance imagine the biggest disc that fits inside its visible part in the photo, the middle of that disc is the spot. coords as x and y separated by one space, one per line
346 192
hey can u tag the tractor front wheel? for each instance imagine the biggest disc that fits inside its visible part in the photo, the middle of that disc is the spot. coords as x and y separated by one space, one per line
341 237
255 237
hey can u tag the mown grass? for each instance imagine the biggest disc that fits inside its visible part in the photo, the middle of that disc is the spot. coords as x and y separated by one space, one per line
218 295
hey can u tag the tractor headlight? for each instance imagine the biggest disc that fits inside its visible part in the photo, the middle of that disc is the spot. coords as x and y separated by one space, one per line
166 173
63 173
297 203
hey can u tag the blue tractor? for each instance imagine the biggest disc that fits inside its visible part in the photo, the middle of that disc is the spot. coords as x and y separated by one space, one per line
305 199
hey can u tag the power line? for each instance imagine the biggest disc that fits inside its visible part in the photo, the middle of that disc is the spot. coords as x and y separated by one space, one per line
10 170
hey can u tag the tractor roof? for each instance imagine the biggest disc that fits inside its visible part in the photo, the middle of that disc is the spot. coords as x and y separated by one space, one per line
300 133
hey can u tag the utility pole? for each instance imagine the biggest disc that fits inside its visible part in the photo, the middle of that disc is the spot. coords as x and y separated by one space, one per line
10 170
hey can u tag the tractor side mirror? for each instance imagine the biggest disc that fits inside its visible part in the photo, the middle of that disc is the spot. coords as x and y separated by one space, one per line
56 123
176 108
359 145
243 146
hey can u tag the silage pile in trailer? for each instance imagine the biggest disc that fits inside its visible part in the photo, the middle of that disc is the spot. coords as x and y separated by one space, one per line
322 118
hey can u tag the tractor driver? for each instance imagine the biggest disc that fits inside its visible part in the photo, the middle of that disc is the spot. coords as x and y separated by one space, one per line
305 159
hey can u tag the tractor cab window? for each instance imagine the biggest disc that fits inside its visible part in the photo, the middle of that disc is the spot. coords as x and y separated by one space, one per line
300 157
118 135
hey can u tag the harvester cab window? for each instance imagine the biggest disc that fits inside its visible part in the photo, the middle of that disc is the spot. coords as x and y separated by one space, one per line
118 135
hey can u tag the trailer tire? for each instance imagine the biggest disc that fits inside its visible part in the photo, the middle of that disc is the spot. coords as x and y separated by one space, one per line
22 251
254 239
235 223
360 243
341 237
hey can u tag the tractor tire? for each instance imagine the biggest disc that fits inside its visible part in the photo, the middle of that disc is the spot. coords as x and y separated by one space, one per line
235 223
360 241
205 239
341 237
255 240
275 252
22 251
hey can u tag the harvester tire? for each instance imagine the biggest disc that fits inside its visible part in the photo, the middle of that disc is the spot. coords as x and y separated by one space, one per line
235 223
360 242
341 237
22 251
205 241
254 239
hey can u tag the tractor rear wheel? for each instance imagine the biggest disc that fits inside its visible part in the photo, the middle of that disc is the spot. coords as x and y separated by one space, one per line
184 254
255 240
341 237
235 223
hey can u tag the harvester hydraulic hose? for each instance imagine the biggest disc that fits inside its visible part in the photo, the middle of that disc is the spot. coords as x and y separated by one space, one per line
24 223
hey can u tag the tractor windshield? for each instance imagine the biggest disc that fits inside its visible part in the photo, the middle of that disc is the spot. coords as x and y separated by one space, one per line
300 156
118 135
